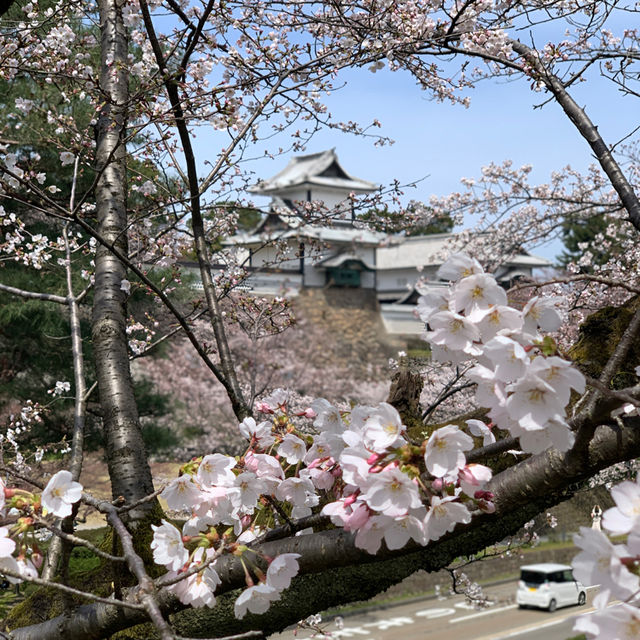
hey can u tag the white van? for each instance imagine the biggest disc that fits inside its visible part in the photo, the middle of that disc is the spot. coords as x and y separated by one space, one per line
549 586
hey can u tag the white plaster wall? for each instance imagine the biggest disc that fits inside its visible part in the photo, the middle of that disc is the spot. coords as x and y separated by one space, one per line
270 257
400 280
313 277
367 280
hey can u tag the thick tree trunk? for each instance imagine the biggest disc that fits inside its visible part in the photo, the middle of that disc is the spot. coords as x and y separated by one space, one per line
128 466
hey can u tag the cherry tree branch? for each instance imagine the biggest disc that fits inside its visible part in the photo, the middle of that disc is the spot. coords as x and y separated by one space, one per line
587 130
240 407
583 277
520 492
33 295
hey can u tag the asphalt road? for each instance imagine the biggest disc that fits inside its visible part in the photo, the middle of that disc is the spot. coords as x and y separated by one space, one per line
452 618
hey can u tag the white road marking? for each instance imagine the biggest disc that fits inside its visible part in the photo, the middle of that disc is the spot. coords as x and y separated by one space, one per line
482 613
464 605
347 632
383 625
434 613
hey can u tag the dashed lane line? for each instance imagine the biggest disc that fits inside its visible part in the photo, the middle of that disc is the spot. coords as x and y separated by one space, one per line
486 612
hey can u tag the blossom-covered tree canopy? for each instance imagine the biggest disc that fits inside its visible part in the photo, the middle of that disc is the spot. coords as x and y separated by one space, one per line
103 193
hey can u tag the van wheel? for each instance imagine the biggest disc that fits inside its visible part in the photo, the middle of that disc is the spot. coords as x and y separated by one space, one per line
552 605
582 598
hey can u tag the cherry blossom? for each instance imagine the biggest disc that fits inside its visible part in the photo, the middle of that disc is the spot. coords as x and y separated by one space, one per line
61 493
534 399
542 313
373 481
297 491
624 516
535 439
258 431
383 428
443 516
480 429
494 319
478 292
282 569
453 331
391 492
621 623
7 545
508 357
559 374
215 469
369 536
167 545
473 478
256 599
601 562
430 303
328 417
198 589
181 493
250 487
10 563
400 529
292 448
459 265
445 450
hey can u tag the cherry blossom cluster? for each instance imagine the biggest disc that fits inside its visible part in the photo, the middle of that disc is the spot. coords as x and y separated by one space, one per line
19 551
524 386
615 567
356 467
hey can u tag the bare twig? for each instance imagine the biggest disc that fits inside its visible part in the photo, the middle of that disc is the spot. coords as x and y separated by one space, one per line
71 591
81 542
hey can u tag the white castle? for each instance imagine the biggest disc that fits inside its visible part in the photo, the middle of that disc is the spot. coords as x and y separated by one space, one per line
286 254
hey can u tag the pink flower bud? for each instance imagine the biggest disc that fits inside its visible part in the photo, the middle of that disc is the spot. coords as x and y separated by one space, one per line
349 500
486 506
466 475
263 407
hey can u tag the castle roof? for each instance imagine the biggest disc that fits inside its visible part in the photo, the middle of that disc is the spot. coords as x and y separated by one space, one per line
427 251
313 170
333 235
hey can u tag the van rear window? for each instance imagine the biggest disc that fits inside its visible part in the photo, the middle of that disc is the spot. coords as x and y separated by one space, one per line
533 577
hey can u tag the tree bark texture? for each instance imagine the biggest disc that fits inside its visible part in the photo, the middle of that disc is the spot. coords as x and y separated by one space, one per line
128 466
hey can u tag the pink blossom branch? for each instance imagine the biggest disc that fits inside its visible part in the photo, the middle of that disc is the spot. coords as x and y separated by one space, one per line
587 130
612 282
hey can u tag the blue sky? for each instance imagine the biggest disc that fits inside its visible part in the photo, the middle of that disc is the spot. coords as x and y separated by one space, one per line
443 143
